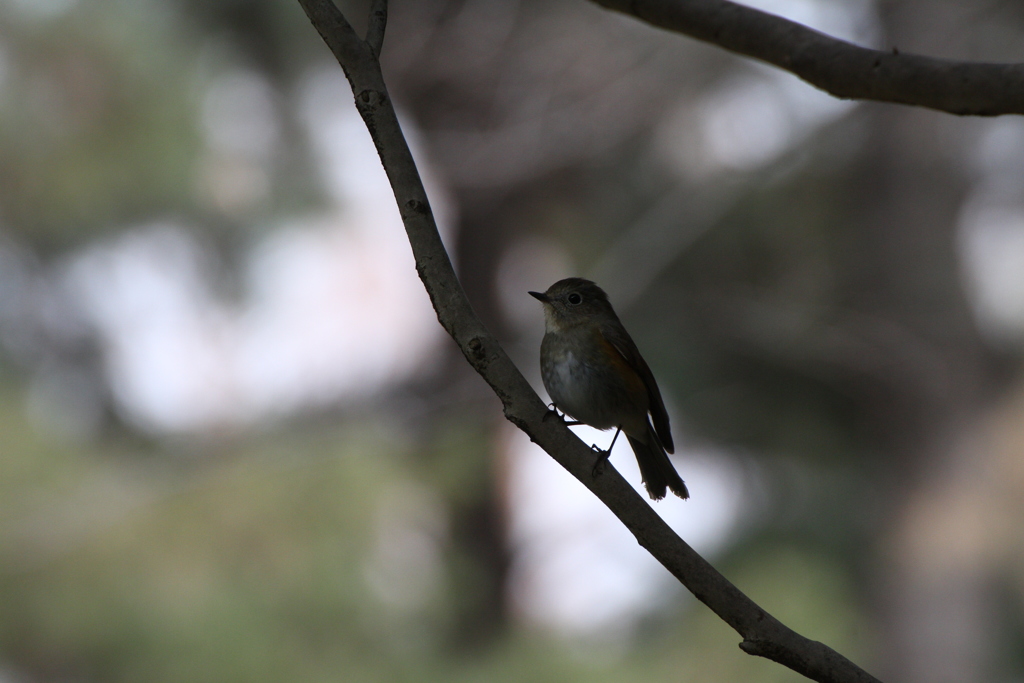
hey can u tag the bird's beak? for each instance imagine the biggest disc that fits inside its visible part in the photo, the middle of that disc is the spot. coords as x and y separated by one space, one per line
540 296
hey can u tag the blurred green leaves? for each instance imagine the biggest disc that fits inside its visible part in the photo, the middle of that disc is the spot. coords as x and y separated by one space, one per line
97 123
266 559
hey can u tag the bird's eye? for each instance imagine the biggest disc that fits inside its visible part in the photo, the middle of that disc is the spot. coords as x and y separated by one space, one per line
575 299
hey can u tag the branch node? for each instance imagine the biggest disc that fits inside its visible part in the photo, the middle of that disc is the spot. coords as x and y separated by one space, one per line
770 649
416 206
477 353
371 99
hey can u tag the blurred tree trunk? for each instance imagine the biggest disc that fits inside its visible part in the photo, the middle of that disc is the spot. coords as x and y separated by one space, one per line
935 609
905 270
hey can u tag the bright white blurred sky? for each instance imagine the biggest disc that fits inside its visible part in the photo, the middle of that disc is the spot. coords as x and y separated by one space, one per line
992 231
577 569
331 309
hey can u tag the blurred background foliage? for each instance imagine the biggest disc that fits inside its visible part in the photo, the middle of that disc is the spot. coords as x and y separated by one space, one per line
234 444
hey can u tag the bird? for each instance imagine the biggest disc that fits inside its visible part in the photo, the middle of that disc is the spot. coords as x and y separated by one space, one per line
595 375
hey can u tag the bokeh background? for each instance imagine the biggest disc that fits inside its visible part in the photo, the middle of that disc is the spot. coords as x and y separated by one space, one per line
236 446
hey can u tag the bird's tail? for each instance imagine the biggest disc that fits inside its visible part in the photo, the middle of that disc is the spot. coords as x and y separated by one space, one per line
656 469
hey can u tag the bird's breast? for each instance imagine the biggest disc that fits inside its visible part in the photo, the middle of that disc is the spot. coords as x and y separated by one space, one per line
588 384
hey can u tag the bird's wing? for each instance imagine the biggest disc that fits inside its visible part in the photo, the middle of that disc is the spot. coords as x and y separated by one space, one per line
617 336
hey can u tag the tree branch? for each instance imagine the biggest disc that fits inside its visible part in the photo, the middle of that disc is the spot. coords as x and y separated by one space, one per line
376 24
763 635
835 66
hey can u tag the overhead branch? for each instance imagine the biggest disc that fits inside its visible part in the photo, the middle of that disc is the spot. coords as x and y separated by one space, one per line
762 634
836 66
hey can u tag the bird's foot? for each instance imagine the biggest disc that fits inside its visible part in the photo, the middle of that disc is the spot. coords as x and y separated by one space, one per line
553 412
602 459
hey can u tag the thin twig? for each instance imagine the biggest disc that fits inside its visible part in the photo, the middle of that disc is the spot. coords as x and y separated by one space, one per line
763 635
836 66
375 26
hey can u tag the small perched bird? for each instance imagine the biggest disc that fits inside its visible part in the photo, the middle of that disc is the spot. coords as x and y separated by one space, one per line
595 374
